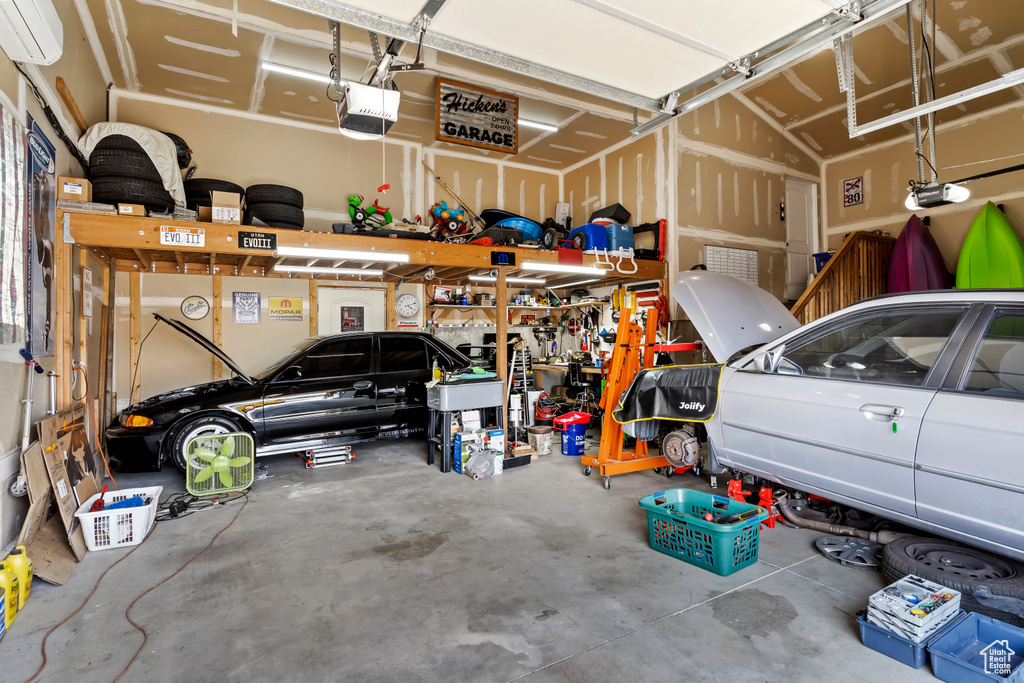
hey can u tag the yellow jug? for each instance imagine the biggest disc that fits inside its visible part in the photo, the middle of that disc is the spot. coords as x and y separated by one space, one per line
9 585
19 561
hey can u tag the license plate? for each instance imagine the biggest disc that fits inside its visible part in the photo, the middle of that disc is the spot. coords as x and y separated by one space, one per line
174 236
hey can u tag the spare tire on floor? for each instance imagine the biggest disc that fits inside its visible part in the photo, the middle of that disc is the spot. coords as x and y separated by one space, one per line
127 190
959 567
276 215
273 194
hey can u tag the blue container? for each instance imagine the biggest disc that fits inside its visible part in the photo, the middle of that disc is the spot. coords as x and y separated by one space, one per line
595 236
896 646
821 258
619 236
531 231
962 653
677 526
574 439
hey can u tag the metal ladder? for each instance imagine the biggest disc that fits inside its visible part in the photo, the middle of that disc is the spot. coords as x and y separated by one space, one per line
327 457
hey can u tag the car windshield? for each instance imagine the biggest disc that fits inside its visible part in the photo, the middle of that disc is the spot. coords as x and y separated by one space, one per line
280 363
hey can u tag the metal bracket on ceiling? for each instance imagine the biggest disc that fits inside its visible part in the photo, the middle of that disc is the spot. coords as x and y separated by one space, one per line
375 46
742 67
843 48
850 12
337 91
636 122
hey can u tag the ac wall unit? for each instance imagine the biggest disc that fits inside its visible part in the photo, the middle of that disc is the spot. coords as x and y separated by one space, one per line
30 31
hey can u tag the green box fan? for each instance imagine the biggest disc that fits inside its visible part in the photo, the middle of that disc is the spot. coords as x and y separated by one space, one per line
219 463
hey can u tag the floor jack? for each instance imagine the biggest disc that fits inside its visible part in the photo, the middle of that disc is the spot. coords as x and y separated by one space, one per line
625 364
326 457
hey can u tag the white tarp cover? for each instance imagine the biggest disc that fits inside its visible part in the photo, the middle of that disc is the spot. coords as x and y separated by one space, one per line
158 146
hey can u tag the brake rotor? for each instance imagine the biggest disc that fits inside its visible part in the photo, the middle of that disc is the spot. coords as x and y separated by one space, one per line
858 553
681 447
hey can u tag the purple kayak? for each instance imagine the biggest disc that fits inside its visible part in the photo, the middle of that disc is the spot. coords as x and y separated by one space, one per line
916 262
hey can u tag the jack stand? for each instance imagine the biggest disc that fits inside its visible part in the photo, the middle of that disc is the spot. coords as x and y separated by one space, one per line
736 492
714 481
767 501
340 455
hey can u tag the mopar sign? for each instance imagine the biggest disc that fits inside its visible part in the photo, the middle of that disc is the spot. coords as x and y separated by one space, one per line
503 258
467 115
40 152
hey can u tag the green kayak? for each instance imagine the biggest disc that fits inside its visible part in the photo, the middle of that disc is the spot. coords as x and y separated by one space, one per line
992 256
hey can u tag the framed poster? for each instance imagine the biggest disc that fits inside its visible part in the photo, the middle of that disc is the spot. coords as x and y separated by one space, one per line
42 205
285 308
476 117
13 321
246 307
352 319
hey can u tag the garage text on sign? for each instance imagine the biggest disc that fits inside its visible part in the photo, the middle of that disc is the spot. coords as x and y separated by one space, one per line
472 116
853 191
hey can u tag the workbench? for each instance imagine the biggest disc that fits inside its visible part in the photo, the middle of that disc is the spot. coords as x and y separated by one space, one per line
446 399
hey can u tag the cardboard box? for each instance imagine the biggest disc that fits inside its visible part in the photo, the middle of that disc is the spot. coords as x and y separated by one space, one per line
226 208
131 210
494 439
204 214
461 448
75 189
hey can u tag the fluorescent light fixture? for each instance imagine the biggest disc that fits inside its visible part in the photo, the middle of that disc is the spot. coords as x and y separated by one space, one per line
579 282
371 272
509 280
344 254
562 268
931 196
538 125
292 71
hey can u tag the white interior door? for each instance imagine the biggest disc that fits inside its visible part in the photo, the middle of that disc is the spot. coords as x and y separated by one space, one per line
801 234
350 310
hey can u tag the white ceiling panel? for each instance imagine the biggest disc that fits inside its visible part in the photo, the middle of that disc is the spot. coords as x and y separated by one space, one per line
735 27
399 10
580 40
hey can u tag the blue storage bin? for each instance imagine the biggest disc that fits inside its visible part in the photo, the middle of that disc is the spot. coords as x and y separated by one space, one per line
596 238
896 646
961 653
619 236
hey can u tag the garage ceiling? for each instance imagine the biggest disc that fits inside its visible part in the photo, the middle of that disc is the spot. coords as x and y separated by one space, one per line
188 50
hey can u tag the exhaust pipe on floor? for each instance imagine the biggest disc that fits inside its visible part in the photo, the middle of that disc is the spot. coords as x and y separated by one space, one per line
791 516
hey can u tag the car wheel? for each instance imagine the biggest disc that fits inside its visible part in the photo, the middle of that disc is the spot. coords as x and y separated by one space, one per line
211 425
959 567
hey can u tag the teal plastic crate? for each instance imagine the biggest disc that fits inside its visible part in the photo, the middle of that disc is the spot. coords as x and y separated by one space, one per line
677 526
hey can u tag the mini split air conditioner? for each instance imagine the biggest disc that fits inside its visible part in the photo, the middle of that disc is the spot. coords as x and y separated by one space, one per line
30 31
367 112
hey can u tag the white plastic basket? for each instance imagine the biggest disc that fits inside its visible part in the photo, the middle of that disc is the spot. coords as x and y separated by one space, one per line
122 527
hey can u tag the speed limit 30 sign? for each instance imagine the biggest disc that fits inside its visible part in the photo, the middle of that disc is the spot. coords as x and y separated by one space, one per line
853 191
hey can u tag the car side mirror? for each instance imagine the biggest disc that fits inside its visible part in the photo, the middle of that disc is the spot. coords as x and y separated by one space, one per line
768 361
292 372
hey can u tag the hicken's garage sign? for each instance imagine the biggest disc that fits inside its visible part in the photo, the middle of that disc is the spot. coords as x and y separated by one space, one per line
467 115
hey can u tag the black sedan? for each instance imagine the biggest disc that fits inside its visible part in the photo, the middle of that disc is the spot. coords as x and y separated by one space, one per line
339 389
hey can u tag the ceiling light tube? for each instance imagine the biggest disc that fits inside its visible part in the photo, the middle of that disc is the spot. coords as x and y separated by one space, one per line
563 268
538 125
292 71
509 280
578 282
343 254
325 270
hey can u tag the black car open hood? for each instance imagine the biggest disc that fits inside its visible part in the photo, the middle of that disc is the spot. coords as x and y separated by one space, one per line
205 343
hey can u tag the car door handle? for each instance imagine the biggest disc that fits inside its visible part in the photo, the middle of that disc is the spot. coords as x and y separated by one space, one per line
363 384
881 413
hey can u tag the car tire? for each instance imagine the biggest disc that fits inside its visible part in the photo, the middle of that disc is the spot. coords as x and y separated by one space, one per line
959 567
273 194
204 425
122 162
129 190
276 215
197 190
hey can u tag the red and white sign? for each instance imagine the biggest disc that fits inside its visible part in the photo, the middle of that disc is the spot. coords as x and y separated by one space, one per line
853 191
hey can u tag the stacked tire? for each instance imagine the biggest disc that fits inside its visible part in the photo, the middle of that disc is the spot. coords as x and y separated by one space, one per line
122 172
197 191
278 206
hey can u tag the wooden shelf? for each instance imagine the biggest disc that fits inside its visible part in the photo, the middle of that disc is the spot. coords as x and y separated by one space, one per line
516 308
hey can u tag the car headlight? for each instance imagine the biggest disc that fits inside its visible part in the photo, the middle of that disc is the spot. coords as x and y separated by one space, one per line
136 421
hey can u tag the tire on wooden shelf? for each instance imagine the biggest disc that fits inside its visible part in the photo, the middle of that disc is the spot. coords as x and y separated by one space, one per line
273 194
276 215
197 190
104 163
127 190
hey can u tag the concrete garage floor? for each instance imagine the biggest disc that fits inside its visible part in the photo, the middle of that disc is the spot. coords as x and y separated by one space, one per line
387 570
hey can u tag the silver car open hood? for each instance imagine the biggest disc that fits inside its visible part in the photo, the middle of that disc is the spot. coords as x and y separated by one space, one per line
205 343
730 314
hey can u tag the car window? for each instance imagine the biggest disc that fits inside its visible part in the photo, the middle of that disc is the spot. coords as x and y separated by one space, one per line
886 348
338 358
402 354
998 365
